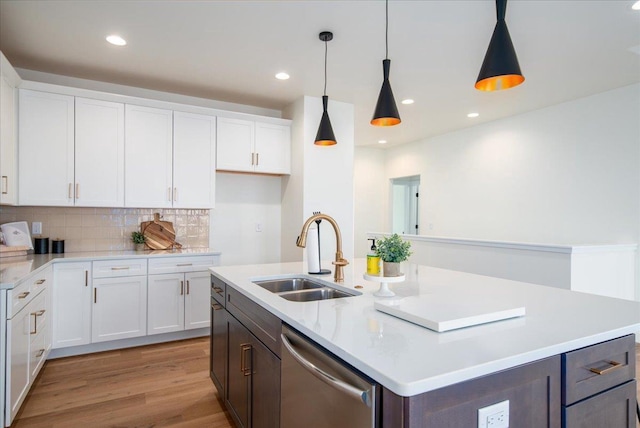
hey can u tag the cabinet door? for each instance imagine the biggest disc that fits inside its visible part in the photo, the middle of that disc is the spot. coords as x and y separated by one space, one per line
196 300
46 139
148 157
265 388
71 304
166 303
99 153
218 366
273 148
119 308
194 160
18 338
8 152
239 373
234 144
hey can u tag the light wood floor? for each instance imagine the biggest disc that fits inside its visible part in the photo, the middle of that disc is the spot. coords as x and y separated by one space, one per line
164 385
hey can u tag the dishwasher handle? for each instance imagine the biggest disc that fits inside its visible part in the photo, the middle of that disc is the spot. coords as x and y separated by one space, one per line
351 390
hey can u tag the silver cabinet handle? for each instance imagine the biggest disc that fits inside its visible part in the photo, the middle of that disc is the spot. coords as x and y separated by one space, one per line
77 190
95 295
181 288
86 278
253 157
5 184
70 190
184 264
187 286
257 158
169 194
175 194
326 377
120 268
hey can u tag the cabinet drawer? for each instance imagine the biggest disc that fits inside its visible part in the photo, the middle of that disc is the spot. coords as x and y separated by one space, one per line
588 371
614 408
122 267
218 290
181 264
262 323
26 290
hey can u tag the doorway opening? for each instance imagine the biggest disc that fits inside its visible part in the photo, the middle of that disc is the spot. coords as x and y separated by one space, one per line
405 192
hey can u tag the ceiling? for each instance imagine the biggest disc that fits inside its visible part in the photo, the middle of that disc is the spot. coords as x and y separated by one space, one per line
231 50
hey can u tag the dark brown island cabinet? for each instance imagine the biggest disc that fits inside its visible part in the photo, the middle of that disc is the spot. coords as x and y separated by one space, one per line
592 387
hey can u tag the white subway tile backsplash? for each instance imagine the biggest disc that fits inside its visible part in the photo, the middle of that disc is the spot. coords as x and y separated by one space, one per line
104 229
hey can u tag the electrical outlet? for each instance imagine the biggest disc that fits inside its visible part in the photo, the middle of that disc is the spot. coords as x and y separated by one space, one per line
494 416
36 228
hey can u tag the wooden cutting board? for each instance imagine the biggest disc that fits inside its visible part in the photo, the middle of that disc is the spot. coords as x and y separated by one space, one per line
159 235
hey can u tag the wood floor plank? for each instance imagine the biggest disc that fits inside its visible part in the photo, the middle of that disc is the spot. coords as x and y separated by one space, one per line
164 385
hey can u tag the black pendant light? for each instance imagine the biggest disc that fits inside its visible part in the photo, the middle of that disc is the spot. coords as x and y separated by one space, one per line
325 136
386 112
500 68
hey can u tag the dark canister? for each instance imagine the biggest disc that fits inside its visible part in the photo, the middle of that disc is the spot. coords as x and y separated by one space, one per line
41 245
57 246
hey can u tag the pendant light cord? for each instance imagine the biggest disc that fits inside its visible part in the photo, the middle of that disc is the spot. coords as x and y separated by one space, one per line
325 68
386 30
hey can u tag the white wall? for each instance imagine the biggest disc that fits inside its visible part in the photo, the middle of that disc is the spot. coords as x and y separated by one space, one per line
369 196
243 200
564 174
322 178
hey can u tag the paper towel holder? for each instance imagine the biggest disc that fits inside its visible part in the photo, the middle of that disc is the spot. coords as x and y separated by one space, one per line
320 271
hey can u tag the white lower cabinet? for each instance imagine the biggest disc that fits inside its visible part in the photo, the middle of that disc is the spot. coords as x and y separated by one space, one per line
72 304
119 308
178 301
28 340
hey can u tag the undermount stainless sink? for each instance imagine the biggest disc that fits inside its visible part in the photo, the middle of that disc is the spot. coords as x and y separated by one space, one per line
301 289
312 295
288 284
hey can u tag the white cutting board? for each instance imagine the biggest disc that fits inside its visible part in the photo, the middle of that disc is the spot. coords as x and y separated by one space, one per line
443 312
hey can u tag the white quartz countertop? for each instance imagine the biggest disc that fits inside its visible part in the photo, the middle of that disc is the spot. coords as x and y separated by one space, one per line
409 359
13 269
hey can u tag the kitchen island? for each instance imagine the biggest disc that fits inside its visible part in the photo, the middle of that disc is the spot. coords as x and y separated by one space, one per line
411 362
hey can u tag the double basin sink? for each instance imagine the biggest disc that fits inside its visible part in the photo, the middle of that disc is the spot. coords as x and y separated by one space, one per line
300 289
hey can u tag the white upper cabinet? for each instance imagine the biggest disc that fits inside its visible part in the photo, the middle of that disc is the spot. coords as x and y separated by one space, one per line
148 157
235 145
249 146
9 80
194 160
99 153
46 140
273 148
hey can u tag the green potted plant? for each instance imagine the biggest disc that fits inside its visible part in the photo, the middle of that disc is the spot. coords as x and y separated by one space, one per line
138 240
393 250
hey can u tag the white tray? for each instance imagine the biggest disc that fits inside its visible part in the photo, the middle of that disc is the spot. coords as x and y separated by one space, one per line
443 312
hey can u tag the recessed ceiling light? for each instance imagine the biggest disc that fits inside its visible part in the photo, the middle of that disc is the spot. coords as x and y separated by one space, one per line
116 40
382 141
282 76
473 115
410 101
636 5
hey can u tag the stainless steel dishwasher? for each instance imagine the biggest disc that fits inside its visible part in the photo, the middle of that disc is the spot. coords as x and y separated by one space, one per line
319 391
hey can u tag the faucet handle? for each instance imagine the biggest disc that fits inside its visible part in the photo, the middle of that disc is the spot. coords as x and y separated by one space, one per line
341 262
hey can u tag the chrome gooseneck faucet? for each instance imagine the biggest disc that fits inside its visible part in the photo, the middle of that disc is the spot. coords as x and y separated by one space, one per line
340 261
